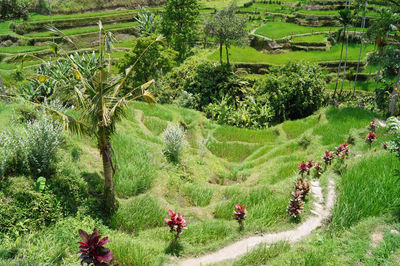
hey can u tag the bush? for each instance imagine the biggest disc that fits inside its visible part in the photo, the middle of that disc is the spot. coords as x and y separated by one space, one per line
293 91
13 9
23 209
34 151
174 137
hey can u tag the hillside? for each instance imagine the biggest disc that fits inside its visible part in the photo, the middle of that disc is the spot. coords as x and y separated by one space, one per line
221 166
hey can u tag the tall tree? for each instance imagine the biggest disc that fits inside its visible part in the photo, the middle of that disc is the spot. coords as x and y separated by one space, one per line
345 20
361 45
227 28
99 103
179 24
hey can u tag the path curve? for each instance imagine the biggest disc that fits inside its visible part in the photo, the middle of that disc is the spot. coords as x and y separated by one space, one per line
320 213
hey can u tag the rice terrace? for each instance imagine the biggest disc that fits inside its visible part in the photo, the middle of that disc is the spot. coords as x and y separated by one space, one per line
200 132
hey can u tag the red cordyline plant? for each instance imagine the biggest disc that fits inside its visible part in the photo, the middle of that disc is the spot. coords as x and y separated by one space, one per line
176 223
92 250
342 151
296 205
303 168
310 165
240 214
370 138
373 126
318 169
302 188
328 157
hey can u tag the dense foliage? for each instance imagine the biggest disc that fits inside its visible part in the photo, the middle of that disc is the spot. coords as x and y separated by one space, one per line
179 24
14 9
151 58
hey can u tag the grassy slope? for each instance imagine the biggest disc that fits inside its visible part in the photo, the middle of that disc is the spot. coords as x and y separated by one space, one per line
277 30
204 188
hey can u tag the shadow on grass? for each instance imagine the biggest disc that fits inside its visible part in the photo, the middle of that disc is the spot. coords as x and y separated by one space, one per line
174 248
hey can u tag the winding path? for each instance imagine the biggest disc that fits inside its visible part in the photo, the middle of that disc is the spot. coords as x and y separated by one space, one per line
321 212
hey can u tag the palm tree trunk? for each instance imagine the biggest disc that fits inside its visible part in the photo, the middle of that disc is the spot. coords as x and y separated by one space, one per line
361 47
339 67
345 61
109 193
227 54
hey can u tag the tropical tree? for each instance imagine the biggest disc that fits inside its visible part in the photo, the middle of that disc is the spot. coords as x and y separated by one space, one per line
159 59
379 32
345 19
179 24
99 103
361 45
13 9
227 28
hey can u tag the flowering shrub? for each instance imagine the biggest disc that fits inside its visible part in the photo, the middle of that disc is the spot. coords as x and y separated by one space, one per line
318 169
296 205
176 223
92 250
370 138
310 164
328 157
303 168
240 213
373 126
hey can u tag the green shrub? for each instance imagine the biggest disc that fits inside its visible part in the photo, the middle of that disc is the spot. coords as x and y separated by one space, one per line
293 91
174 138
23 209
34 151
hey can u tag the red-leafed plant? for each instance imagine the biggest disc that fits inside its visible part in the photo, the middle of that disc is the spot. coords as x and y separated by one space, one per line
328 157
370 138
296 205
318 169
92 250
176 223
302 188
310 165
240 214
303 168
373 126
342 151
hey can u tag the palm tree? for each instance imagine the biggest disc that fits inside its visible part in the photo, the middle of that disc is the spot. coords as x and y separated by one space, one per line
344 19
99 100
361 46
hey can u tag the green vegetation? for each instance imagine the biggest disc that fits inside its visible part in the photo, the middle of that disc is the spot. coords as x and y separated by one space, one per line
277 30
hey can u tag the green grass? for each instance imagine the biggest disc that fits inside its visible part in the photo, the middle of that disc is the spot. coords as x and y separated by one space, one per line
35 17
21 49
340 122
138 214
317 38
233 152
294 129
368 188
229 133
76 31
198 195
349 85
250 55
5 28
278 30
332 13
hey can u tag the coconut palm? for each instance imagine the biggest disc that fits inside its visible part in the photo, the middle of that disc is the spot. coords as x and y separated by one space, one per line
361 46
345 18
98 100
